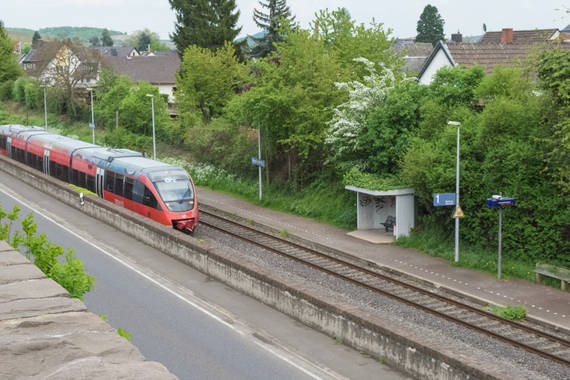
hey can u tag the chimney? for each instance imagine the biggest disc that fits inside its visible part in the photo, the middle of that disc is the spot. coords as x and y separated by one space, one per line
457 37
507 35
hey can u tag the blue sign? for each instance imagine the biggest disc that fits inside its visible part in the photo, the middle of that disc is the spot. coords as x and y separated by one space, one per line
91 125
444 199
258 162
498 201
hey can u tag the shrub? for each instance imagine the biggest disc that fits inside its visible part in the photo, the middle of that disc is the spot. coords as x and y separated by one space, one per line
6 90
70 274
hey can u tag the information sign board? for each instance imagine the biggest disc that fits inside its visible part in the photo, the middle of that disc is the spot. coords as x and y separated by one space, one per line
444 199
258 162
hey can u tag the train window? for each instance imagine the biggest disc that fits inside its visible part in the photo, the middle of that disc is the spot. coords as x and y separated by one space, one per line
149 199
119 184
109 181
90 183
138 191
129 182
3 140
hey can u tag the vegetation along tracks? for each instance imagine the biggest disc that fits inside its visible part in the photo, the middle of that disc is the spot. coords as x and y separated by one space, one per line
541 343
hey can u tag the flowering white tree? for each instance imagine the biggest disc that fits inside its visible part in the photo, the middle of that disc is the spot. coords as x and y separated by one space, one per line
349 119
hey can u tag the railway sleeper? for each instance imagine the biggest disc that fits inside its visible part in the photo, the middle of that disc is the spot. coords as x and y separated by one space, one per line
562 353
445 308
550 347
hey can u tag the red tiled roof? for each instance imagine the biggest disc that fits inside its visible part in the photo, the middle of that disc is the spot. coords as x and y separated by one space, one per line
520 36
492 54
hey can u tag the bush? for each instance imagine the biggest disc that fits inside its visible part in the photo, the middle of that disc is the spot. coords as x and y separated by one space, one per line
70 275
19 90
33 95
6 90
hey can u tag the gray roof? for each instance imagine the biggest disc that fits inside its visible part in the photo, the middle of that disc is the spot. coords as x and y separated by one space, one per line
414 53
116 51
155 69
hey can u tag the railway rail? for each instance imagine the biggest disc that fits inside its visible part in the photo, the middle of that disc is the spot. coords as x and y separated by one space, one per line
549 346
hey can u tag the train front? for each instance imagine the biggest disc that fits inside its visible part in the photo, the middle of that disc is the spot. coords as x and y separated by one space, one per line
179 196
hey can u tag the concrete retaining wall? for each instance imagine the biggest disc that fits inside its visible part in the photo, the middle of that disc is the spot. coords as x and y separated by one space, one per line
379 338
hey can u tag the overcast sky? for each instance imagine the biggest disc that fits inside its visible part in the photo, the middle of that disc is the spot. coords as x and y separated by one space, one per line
399 15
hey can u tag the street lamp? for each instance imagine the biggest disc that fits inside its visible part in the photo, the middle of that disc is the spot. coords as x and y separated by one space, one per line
457 208
153 137
45 108
92 125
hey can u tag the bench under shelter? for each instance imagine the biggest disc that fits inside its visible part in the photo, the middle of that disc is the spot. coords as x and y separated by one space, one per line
375 207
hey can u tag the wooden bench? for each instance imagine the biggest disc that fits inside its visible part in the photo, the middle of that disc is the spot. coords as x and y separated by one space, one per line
389 223
552 271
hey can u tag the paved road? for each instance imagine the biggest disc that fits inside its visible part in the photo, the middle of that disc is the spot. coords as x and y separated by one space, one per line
170 312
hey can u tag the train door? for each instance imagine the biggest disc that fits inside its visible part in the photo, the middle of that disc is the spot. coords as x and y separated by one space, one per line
46 162
9 146
99 181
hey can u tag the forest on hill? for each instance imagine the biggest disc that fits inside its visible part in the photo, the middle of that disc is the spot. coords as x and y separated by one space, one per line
84 33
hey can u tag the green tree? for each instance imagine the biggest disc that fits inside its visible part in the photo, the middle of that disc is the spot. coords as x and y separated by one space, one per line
554 75
208 80
292 101
278 15
206 24
350 40
141 39
135 109
94 41
106 39
9 67
430 26
503 149
36 39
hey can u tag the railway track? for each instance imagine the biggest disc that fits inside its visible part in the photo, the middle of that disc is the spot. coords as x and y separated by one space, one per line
538 342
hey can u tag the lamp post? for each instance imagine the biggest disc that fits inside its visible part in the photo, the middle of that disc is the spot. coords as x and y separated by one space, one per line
458 124
153 136
45 108
92 117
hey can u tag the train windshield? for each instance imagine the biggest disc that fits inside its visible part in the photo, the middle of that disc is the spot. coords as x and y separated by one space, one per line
176 191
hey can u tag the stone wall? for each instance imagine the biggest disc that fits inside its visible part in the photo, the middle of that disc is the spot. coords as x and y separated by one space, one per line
46 334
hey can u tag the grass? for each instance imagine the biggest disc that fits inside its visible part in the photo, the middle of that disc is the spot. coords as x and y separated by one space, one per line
513 313
437 243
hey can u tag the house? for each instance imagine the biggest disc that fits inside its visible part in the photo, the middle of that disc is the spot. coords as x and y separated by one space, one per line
159 69
66 63
510 47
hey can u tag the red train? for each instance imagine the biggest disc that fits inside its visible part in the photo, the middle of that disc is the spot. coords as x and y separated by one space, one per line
162 192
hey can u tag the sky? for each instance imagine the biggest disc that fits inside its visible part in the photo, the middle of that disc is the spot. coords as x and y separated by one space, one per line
400 16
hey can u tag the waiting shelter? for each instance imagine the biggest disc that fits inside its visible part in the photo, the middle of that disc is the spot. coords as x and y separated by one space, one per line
376 210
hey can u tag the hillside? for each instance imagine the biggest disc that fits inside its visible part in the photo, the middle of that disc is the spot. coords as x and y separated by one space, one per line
83 33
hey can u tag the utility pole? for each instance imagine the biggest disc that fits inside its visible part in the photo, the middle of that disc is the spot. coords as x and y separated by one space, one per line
92 118
45 108
153 136
259 157
458 124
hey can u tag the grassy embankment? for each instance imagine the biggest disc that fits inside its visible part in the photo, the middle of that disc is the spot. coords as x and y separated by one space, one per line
321 201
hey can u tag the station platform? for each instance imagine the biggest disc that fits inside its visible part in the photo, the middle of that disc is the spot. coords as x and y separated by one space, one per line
543 303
